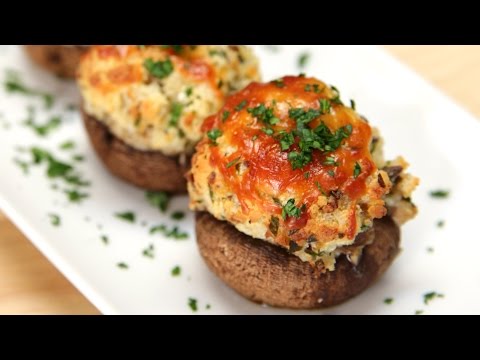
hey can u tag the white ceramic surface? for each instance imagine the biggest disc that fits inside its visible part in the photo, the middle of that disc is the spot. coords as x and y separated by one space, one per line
437 137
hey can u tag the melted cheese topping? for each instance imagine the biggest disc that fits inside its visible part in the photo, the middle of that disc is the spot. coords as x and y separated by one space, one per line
161 113
241 174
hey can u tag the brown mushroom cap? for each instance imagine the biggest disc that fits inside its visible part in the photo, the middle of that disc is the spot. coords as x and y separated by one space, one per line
150 170
60 60
268 274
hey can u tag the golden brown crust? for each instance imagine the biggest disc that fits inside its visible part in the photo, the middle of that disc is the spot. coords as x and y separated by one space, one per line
60 60
150 170
268 274
329 192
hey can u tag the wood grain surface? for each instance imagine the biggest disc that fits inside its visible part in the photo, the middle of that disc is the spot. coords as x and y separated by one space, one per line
29 284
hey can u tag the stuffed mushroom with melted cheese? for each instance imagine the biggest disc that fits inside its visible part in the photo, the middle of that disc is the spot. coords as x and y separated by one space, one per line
297 207
143 106
60 60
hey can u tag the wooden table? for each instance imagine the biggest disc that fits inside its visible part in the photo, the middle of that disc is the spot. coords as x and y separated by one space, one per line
29 284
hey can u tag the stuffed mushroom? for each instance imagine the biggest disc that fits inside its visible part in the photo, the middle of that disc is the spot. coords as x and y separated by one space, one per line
60 60
296 206
143 106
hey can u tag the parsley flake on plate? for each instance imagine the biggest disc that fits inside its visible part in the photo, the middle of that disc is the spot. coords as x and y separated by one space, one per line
176 271
303 60
439 194
428 297
54 219
193 304
128 216
158 199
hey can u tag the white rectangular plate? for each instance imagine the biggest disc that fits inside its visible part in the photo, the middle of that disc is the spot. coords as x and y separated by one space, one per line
438 138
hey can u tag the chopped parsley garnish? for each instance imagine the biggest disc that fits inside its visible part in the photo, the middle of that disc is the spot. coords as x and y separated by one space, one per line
177 215
225 115
220 53
214 134
75 180
159 69
105 239
58 169
357 169
286 140
268 131
299 159
303 60
303 117
208 306
158 199
42 129
330 161
175 113
176 48
440 223
23 165
293 247
127 216
279 83
54 219
265 114
290 210
430 249
320 138
319 187
75 196
233 162
78 158
177 234
176 271
331 173
430 296
388 300
189 91
316 88
158 228
306 175
174 233
352 104
13 84
336 96
122 265
149 251
439 194
67 145
325 106
418 312
240 106
55 168
308 88
274 224
192 303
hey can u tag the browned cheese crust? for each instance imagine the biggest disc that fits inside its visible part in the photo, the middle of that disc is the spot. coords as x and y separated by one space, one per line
60 60
149 170
268 274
